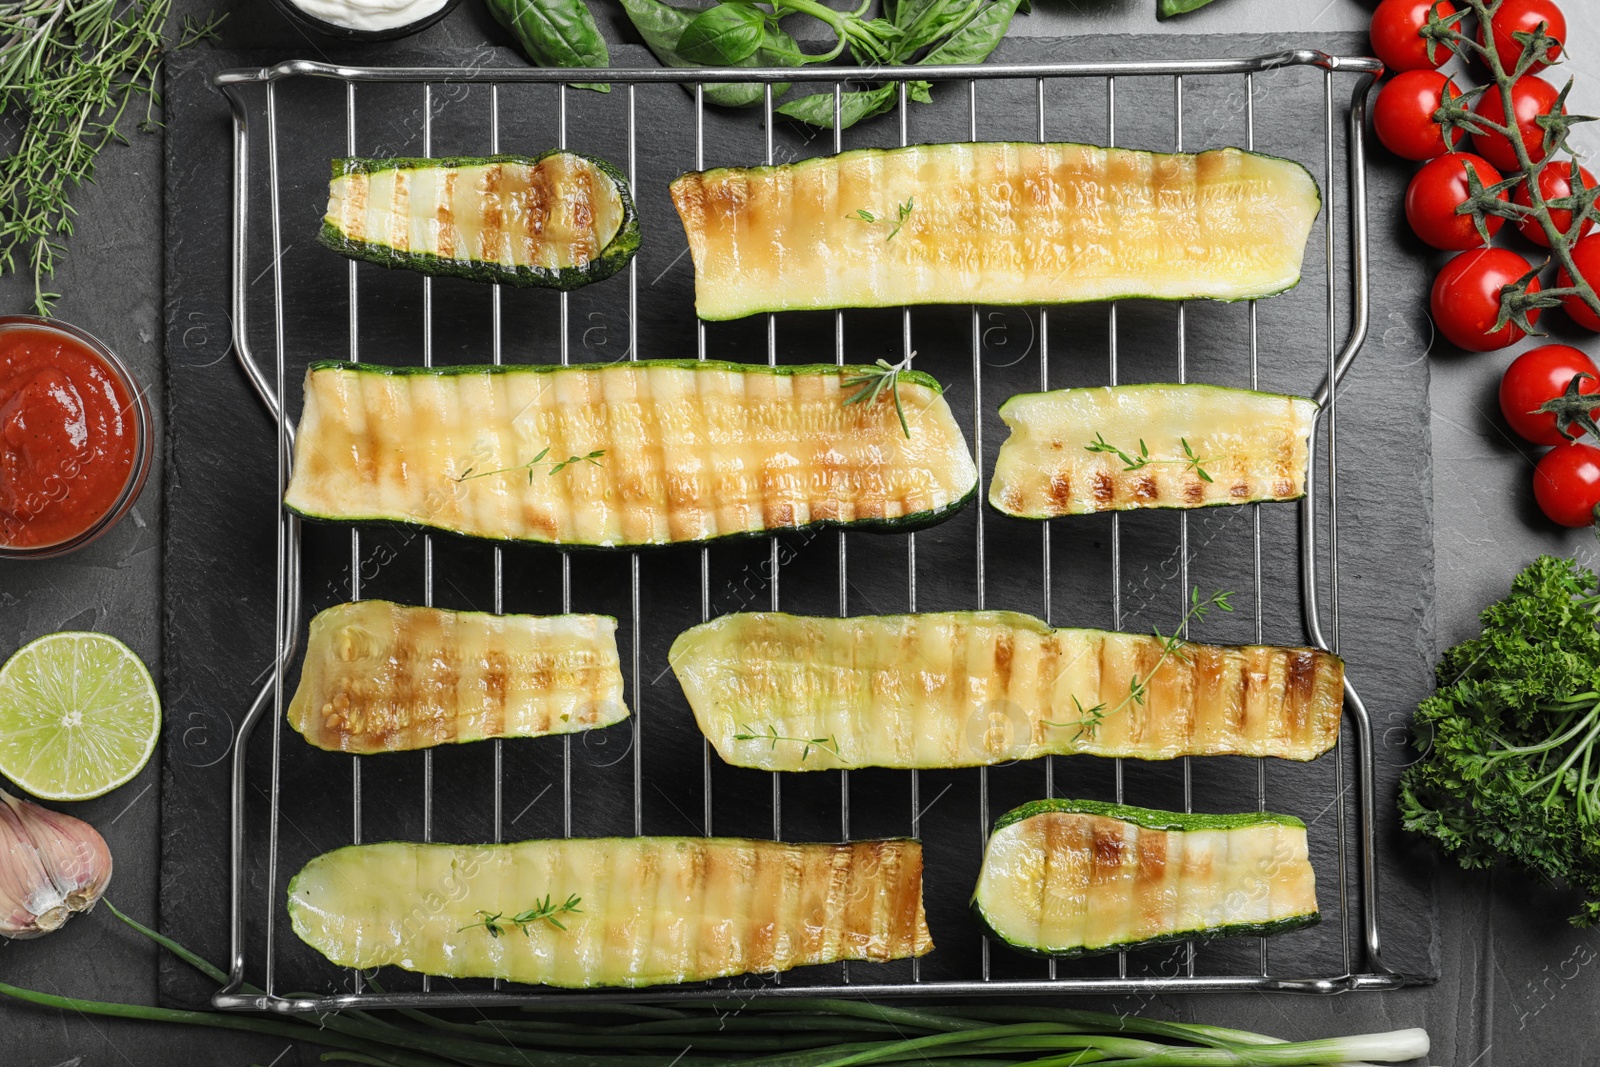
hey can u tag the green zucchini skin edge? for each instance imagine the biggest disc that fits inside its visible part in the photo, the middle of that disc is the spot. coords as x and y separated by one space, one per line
908 524
862 152
611 259
1151 819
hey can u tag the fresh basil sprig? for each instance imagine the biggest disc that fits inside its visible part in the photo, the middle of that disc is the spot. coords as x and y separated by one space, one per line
555 33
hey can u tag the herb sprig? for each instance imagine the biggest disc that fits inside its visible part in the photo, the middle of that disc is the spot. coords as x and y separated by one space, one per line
1131 462
1089 719
861 214
870 384
556 467
546 911
771 735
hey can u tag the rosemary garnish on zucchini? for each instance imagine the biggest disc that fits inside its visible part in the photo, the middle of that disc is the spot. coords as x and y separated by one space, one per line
546 911
555 468
826 744
870 384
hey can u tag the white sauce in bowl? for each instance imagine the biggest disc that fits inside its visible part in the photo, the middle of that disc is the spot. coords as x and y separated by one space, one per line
370 14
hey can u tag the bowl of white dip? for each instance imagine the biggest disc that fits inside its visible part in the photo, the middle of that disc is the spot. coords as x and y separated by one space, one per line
366 20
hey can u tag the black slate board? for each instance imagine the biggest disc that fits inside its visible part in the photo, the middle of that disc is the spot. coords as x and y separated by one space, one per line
219 572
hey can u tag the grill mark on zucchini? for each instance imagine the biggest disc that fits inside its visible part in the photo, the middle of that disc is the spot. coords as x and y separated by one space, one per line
915 692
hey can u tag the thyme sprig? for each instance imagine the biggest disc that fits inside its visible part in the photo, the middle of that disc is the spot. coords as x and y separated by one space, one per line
69 72
1517 304
870 384
861 214
546 911
556 467
1089 719
773 737
1132 462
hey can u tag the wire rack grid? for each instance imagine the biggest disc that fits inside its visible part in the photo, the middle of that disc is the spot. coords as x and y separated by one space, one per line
1357 960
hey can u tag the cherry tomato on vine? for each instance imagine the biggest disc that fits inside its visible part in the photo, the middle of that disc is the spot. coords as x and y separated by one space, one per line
1437 190
1403 115
1516 16
1530 98
1566 483
1466 298
1537 377
1395 36
1586 256
1555 181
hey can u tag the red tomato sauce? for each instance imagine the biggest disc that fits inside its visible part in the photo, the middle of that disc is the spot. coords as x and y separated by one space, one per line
66 437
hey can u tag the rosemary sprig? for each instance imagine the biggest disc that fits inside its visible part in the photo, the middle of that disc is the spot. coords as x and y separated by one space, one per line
1130 462
556 468
1089 719
69 71
826 744
871 384
546 911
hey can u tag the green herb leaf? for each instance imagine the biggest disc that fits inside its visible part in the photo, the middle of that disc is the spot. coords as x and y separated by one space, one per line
555 33
978 37
662 25
722 35
855 106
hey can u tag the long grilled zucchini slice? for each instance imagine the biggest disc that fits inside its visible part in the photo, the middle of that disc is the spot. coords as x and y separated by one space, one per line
1070 877
383 677
558 220
994 223
631 911
1113 448
968 688
624 454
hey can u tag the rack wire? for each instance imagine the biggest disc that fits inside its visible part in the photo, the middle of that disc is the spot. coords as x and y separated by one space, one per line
254 97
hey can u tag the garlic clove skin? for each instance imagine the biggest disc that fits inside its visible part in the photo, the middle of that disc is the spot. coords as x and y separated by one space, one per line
51 867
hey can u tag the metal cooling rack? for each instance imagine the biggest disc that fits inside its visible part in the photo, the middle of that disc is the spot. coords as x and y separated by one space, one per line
255 99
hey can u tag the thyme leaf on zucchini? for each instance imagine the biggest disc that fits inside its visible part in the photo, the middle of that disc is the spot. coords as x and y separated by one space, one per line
1130 462
555 468
871 384
861 214
1194 461
772 736
546 911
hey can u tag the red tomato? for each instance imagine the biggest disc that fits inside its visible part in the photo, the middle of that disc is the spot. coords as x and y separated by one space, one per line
1567 484
1586 255
1522 16
1538 376
1530 97
1437 190
1555 181
1466 298
1403 115
1395 36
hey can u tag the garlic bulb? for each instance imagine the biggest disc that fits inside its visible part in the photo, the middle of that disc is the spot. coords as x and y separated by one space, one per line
51 865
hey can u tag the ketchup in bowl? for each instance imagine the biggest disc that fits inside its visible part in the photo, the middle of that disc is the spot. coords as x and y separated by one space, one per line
75 440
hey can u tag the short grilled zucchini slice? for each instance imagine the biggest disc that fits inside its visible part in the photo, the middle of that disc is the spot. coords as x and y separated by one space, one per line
1072 877
624 454
961 689
994 223
558 220
644 911
383 677
1113 448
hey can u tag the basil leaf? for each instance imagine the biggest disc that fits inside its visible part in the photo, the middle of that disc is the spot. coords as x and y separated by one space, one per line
854 106
1167 8
555 33
723 34
661 25
924 21
973 42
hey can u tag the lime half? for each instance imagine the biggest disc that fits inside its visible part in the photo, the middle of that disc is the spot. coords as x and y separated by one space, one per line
79 716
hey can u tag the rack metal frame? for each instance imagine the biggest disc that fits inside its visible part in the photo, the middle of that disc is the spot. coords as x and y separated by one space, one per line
1363 968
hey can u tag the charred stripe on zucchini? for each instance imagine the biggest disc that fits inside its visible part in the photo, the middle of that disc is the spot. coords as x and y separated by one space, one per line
383 677
558 220
666 451
644 910
1115 448
971 688
1072 877
994 223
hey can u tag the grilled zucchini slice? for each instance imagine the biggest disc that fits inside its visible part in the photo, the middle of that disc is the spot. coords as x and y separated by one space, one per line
994 223
558 220
644 910
383 677
624 454
1114 448
1072 877
969 688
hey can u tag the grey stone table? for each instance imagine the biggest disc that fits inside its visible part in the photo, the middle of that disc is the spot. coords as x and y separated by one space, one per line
1518 985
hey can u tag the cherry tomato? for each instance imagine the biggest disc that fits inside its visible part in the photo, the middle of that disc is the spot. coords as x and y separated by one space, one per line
1403 115
1530 97
1437 190
1522 16
1396 39
1538 376
1586 255
1566 483
1466 298
1555 181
